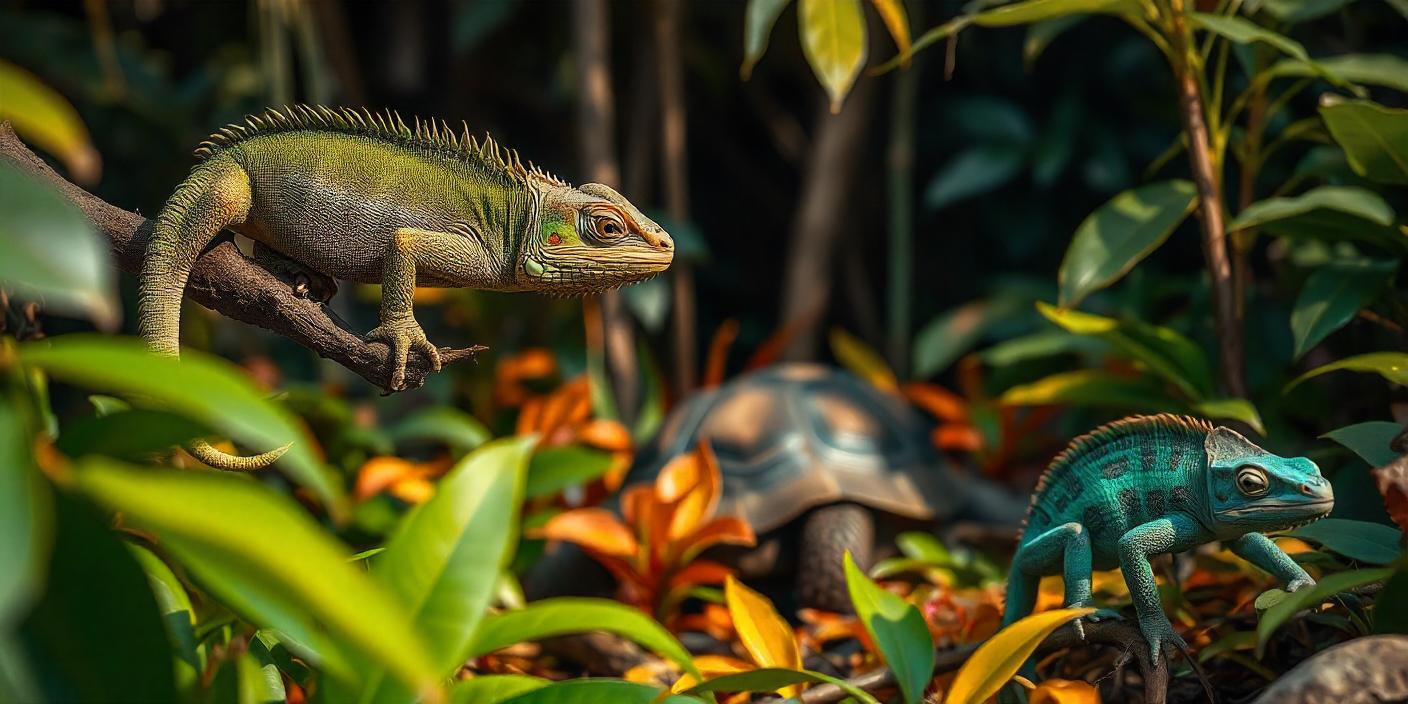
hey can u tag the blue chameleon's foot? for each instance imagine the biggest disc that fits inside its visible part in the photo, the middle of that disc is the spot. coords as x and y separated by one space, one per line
1159 634
1099 615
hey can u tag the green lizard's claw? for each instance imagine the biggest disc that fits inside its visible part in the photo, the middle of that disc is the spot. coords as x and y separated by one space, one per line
1159 633
400 334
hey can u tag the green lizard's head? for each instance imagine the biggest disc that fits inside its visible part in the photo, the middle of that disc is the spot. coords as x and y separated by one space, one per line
591 239
1254 490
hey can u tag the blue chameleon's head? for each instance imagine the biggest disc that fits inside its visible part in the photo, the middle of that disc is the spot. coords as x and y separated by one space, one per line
1251 489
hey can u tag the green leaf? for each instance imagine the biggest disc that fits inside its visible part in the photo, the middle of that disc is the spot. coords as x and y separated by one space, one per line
1369 440
26 514
1311 596
1166 353
833 40
1243 31
1293 11
554 469
450 426
897 629
206 389
1120 234
1332 295
1384 70
261 555
1392 366
178 616
444 559
1040 345
1374 137
925 547
1238 409
758 21
492 689
950 335
560 616
975 171
1357 202
771 679
1372 543
46 119
1090 387
1031 11
52 254
597 691
129 434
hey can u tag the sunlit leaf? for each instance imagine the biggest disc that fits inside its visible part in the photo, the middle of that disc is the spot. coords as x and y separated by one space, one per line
593 528
597 691
892 14
762 631
1090 387
1357 202
772 679
228 401
1384 70
273 565
1333 294
1030 11
1392 366
555 617
1374 137
726 530
1362 541
1370 440
444 424
178 615
43 117
492 689
833 40
997 659
1164 351
758 21
1244 31
1056 691
862 360
897 629
26 514
554 469
1310 597
52 254
1238 409
1120 234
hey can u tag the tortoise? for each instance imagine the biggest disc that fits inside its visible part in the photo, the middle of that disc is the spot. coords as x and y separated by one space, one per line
820 461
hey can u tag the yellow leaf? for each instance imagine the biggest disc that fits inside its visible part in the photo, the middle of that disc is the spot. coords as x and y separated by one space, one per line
892 12
763 632
863 360
994 663
1064 692
833 40
42 116
711 666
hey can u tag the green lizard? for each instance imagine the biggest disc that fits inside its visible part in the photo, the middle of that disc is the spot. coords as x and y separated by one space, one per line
1149 485
361 196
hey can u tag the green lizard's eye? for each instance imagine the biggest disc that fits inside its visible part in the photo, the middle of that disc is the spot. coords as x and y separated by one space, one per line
1252 481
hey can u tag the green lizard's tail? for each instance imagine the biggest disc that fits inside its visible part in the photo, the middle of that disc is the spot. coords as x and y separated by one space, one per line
214 196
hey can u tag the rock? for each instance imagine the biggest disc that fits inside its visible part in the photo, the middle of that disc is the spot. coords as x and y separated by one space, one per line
1369 670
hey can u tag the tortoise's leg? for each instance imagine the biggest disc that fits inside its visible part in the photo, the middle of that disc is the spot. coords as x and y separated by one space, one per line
827 534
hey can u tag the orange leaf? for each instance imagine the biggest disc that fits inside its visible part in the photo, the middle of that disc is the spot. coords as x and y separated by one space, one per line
413 490
763 632
957 437
608 435
593 528
716 364
701 572
728 530
711 666
528 416
695 484
381 472
1056 691
771 349
937 401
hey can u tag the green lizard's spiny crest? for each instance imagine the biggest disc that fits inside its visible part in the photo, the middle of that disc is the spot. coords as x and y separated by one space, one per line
386 125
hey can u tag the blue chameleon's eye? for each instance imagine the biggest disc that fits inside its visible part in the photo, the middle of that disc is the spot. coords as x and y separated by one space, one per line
1252 481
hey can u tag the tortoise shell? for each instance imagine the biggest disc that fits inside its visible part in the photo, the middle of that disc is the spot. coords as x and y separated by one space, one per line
793 437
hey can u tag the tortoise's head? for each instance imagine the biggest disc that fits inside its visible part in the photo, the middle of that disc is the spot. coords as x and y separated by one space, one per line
590 239
1251 489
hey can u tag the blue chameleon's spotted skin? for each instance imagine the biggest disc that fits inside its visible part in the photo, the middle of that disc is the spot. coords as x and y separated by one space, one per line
1149 485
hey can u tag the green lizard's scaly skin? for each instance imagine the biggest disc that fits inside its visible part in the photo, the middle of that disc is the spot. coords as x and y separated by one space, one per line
349 194
1149 485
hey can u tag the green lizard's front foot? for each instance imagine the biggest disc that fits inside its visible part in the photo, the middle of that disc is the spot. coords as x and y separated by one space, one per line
1099 615
401 334
1159 634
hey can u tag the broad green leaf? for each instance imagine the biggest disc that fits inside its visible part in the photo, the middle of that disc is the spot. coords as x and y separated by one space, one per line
1358 202
1374 137
758 21
178 615
128 434
1120 234
1238 409
897 629
598 691
924 546
1168 354
95 634
1391 607
1309 597
1332 295
554 469
492 689
892 14
1362 541
950 335
772 679
1244 31
1030 11
1040 345
204 388
975 171
258 682
1392 366
450 426
1384 70
862 360
46 119
263 557
444 559
560 616
833 40
762 631
1091 387
52 254
1266 600
1369 440
997 659
26 514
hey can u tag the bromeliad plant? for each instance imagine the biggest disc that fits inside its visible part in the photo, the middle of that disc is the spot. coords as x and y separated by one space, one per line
652 549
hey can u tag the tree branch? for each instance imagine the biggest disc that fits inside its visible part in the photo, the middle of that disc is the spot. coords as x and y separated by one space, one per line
226 281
